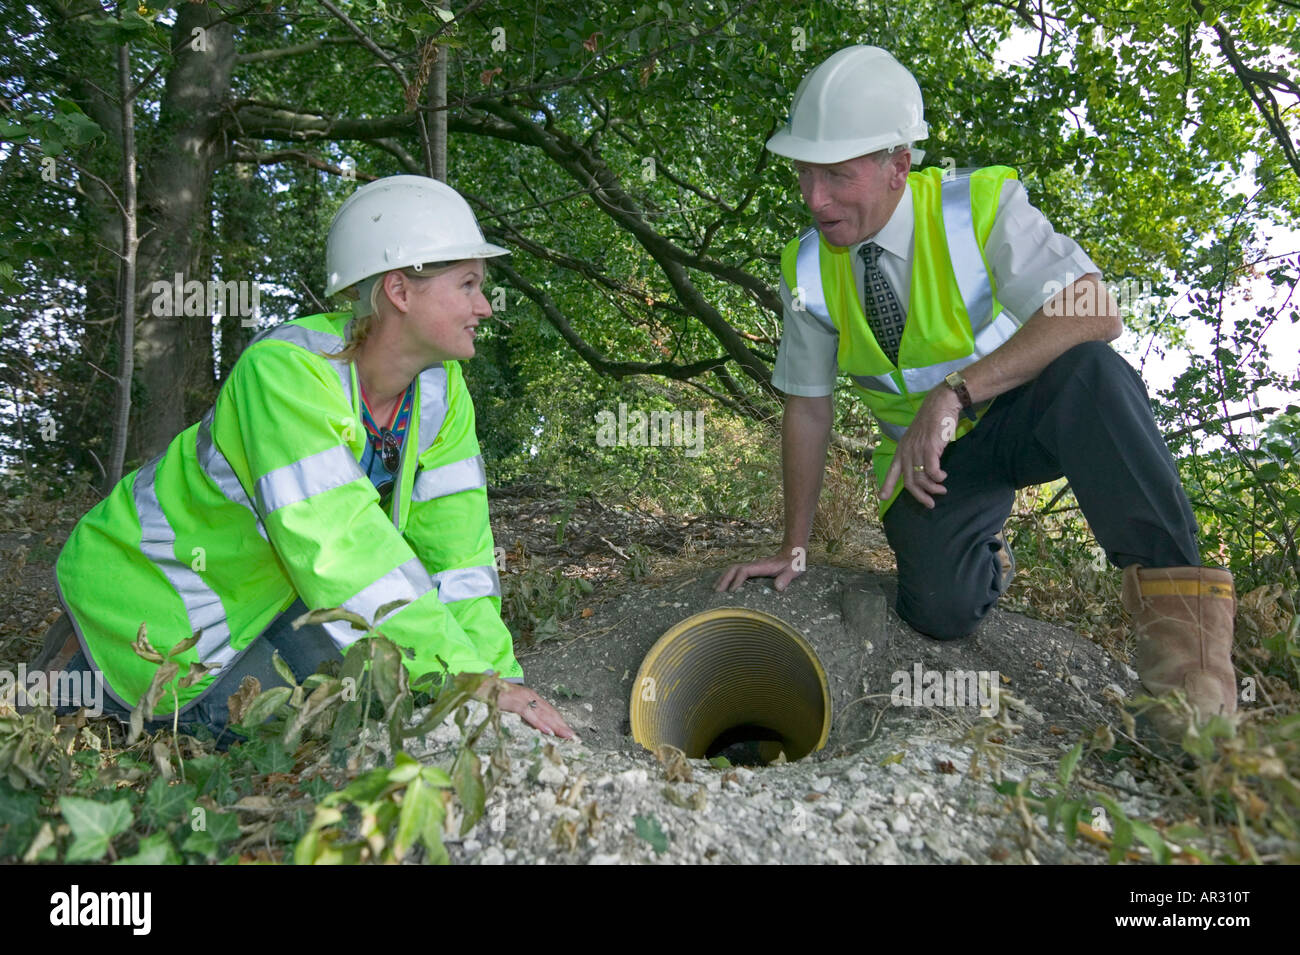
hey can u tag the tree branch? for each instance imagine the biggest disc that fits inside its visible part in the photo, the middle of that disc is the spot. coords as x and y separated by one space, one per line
613 369
276 53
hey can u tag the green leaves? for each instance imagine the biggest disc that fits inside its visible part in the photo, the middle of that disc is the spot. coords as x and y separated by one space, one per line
398 807
648 828
165 804
1068 763
264 706
155 849
94 826
467 776
129 27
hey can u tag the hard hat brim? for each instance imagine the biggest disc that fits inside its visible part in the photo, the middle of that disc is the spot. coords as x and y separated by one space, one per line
456 253
827 152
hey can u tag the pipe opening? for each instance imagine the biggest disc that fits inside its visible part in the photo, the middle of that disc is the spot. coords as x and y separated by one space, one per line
732 682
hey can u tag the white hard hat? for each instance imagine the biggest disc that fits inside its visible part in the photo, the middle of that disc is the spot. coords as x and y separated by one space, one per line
399 222
859 101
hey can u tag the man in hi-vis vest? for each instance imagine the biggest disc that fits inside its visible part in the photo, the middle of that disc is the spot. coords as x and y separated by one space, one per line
978 337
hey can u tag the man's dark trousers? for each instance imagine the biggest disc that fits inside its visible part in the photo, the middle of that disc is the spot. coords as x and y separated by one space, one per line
1087 417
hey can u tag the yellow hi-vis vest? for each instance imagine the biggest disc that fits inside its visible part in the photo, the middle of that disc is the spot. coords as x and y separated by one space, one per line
264 500
954 317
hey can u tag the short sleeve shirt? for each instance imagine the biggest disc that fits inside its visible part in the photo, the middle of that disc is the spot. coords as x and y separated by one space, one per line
1029 260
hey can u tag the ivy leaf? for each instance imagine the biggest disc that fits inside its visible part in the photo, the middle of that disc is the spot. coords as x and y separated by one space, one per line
94 825
269 756
164 803
155 849
223 827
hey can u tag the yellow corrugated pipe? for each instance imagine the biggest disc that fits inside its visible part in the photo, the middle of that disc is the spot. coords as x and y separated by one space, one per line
732 676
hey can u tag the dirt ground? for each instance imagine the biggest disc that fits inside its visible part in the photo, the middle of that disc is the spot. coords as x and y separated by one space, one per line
894 784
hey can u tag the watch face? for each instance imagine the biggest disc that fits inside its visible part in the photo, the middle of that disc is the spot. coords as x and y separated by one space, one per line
954 379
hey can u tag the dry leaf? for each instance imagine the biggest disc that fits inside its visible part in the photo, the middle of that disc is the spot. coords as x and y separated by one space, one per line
238 702
676 769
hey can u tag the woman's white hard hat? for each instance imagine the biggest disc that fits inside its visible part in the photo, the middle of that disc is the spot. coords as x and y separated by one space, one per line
858 101
399 222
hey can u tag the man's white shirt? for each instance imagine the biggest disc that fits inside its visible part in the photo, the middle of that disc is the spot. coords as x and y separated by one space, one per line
1030 262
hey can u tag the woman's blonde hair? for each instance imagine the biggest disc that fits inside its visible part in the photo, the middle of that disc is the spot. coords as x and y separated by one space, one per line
361 325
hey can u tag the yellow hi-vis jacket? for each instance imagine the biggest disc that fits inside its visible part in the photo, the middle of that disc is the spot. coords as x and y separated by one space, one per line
264 500
954 317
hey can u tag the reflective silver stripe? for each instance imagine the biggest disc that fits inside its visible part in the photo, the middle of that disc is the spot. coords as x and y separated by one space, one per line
878 383
219 471
923 379
449 479
312 475
408 582
433 404
808 276
964 251
990 337
315 342
466 583
158 543
995 334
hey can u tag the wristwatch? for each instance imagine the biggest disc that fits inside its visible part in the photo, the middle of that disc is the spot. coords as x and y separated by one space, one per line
957 383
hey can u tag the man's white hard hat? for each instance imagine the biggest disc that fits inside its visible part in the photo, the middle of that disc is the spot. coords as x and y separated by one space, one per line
858 101
399 222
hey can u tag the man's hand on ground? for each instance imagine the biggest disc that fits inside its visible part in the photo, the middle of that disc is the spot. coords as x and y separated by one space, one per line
916 462
782 567
534 710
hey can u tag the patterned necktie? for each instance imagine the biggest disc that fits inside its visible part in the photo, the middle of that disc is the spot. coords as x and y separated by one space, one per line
884 313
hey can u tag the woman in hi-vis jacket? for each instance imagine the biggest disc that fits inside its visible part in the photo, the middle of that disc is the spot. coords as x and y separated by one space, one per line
338 468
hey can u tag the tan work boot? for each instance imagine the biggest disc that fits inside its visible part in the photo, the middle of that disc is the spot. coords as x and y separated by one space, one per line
1183 618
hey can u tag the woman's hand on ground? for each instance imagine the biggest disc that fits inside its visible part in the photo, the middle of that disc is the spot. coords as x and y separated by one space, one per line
535 711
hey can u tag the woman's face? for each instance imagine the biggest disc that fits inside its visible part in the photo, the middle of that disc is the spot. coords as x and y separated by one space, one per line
445 311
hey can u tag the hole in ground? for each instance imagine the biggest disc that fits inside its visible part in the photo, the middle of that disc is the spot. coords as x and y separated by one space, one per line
732 680
747 745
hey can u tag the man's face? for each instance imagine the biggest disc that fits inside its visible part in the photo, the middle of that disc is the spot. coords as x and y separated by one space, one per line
852 200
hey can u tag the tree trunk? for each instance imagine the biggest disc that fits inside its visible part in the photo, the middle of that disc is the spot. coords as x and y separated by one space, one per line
174 190
126 273
438 120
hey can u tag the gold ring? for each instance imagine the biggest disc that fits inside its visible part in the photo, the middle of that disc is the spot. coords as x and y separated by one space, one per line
918 467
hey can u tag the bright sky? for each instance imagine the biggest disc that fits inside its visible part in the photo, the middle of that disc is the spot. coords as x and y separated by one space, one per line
1282 340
